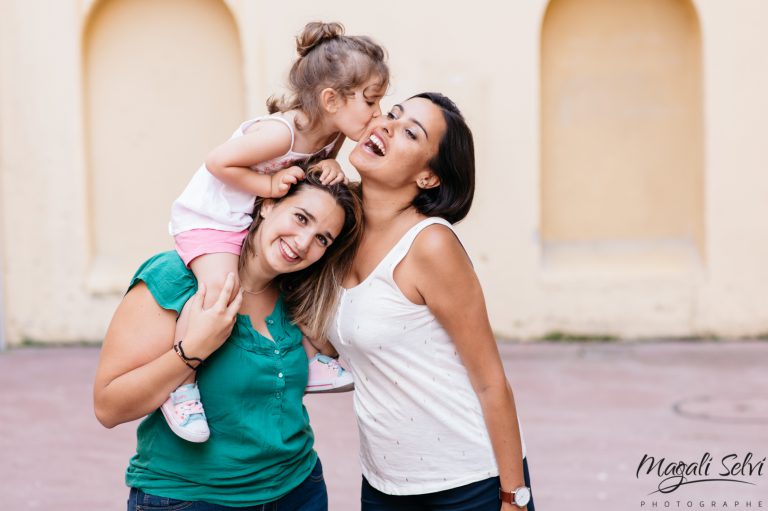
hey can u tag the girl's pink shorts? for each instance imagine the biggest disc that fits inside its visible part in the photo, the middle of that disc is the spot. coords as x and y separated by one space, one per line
197 242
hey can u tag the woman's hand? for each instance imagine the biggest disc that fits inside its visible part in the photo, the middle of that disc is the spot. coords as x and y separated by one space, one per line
138 367
209 328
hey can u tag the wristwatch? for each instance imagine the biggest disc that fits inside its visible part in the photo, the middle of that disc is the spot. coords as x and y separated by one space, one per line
519 496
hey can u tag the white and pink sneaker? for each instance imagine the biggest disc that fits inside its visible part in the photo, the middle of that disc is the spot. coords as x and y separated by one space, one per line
327 375
184 414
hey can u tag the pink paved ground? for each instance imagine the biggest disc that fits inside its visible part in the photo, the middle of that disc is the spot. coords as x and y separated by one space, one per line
590 412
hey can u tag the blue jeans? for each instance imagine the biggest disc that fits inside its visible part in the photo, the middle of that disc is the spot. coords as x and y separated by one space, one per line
480 496
311 495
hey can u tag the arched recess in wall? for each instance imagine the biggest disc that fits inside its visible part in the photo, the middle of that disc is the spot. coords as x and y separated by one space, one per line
163 85
622 130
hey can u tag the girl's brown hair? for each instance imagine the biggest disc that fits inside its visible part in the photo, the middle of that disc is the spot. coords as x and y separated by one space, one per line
311 294
329 59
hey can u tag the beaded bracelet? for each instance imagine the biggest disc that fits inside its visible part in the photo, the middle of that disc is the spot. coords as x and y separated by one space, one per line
184 358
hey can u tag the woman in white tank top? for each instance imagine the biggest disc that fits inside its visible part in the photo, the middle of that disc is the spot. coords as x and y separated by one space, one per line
437 419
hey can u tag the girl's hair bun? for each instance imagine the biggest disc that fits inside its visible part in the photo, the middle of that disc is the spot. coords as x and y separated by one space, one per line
330 59
316 32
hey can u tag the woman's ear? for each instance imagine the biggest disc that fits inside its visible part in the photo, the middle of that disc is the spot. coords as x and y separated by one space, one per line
266 207
329 100
427 179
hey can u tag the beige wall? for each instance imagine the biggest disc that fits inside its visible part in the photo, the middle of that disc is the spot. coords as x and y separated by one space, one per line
621 114
65 183
3 60
3 328
133 146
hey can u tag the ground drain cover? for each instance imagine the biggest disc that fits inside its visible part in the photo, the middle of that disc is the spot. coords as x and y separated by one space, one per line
733 409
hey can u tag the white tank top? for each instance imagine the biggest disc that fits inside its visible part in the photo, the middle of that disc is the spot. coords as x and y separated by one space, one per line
420 421
207 203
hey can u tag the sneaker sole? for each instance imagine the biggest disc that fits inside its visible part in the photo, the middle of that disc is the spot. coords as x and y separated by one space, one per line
327 389
181 433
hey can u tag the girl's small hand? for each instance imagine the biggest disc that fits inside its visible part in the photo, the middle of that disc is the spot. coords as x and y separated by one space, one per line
282 181
331 172
209 328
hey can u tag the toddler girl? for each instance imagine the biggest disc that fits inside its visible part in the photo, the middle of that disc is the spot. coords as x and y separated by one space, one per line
336 85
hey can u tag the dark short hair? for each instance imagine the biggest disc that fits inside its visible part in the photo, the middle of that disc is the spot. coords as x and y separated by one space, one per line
454 164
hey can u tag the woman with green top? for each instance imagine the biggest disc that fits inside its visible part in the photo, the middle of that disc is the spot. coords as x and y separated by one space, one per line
251 367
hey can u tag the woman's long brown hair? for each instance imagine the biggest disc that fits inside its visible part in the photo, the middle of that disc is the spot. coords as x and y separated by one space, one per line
311 294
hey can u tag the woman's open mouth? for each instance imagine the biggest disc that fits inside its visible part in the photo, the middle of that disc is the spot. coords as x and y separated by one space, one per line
376 145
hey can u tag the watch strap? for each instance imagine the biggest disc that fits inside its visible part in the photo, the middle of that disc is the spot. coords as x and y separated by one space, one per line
507 496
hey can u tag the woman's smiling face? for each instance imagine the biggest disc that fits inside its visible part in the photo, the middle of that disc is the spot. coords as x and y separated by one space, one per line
297 230
397 147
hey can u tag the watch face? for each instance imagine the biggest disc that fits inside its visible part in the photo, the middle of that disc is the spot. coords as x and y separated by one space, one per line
522 496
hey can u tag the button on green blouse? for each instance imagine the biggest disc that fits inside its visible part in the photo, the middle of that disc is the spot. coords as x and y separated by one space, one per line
261 443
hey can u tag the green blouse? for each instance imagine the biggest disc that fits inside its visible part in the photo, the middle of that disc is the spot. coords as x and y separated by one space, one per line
260 446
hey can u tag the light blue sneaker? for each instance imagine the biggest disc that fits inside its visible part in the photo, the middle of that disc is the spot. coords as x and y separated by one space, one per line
184 414
327 375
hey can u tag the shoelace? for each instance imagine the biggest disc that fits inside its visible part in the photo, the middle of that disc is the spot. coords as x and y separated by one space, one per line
335 365
188 408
